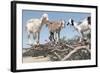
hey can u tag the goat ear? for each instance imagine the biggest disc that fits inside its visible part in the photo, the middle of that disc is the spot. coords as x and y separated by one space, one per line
68 23
89 20
72 21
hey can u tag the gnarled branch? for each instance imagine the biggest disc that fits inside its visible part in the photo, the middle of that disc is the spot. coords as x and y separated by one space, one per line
75 50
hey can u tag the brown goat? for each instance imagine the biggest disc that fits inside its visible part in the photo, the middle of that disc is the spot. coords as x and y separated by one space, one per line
54 29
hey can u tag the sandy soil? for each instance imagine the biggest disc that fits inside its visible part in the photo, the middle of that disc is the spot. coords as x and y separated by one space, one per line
30 59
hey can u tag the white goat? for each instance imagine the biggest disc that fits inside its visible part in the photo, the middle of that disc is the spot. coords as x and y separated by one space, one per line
34 26
81 27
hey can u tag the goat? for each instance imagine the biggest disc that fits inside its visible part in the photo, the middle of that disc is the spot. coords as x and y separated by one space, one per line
81 27
54 29
34 26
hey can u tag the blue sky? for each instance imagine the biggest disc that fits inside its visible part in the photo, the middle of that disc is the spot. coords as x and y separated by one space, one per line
69 32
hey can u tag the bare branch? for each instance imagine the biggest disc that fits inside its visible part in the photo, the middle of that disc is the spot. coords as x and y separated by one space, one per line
69 46
57 55
60 50
75 50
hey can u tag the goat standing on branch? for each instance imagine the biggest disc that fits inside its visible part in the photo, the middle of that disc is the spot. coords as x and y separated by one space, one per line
54 29
34 26
81 27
